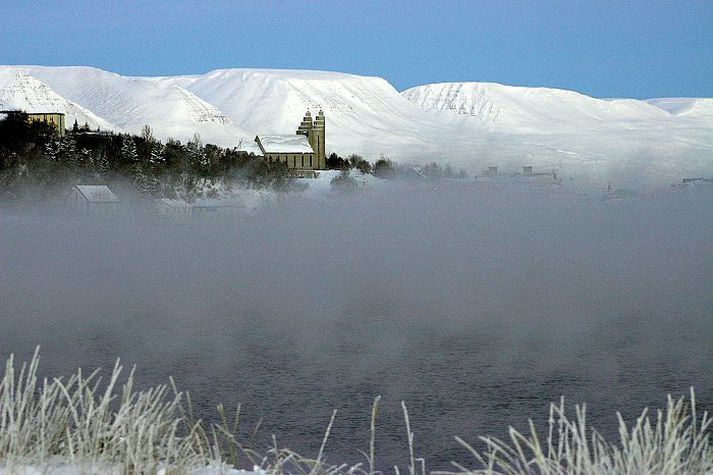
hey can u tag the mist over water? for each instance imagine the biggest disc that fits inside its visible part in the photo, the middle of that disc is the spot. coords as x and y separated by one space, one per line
477 307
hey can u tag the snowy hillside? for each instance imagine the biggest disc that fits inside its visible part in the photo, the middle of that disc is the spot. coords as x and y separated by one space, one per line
20 91
528 108
131 103
688 107
468 125
627 139
364 114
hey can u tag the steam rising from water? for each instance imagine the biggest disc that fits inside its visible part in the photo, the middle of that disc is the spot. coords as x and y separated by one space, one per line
477 307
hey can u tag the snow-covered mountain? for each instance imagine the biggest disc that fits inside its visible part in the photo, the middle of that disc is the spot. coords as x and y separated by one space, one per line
365 115
469 125
685 107
132 102
528 108
628 139
18 90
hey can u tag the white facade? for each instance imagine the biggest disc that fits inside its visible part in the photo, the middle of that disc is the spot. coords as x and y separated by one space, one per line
91 200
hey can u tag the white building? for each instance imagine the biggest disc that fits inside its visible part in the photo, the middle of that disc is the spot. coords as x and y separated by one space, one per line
179 211
91 200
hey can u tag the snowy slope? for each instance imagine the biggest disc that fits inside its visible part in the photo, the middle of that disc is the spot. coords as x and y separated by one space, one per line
688 107
632 140
364 114
132 102
528 108
468 125
18 90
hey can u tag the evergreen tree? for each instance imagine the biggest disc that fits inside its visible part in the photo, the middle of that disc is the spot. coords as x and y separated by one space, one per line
358 162
128 150
344 182
157 156
51 151
101 163
67 149
144 183
384 168
335 162
196 153
84 157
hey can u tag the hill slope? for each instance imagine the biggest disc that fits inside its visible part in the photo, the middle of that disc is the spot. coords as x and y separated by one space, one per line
132 102
469 125
19 90
624 138
529 108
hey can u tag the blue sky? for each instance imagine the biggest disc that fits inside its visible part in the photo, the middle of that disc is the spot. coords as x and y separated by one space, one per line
627 48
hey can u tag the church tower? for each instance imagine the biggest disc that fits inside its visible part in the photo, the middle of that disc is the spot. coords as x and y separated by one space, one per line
318 145
306 126
315 136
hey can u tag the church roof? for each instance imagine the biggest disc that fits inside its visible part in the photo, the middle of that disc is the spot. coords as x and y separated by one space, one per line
249 146
285 143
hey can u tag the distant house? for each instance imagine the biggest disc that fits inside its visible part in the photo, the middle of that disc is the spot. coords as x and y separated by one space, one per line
491 171
55 119
528 176
216 209
178 211
173 210
92 200
545 178
694 183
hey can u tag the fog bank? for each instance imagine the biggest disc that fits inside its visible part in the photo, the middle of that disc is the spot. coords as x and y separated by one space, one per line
475 307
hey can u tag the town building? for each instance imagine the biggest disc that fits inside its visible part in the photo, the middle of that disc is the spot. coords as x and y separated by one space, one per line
693 183
528 175
92 200
179 211
55 119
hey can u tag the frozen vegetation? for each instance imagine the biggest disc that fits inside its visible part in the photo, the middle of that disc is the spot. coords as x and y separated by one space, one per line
83 425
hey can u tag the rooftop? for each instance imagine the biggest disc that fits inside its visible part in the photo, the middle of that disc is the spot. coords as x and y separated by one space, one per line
249 146
97 193
285 143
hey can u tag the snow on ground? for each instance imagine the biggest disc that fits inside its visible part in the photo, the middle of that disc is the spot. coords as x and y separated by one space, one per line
321 187
467 125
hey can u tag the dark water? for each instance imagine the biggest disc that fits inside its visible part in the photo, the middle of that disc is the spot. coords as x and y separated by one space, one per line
476 308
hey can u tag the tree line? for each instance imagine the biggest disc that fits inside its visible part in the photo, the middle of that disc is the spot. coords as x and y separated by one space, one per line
36 163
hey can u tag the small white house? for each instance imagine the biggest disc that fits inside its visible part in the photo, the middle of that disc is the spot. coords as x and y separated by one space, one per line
173 210
92 200
178 211
217 209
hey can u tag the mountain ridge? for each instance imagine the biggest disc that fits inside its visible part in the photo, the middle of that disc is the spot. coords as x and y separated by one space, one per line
468 125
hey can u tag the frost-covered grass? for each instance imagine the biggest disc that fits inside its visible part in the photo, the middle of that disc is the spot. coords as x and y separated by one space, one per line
673 441
80 425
